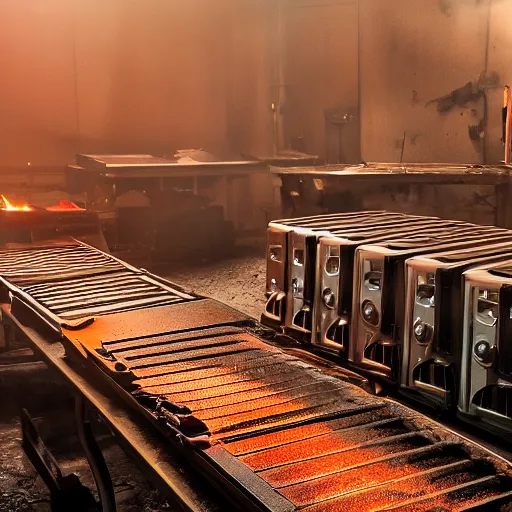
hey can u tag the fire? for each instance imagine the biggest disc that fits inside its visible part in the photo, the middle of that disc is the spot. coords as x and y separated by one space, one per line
6 205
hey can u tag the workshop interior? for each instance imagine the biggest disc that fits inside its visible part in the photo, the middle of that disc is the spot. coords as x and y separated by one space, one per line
256 255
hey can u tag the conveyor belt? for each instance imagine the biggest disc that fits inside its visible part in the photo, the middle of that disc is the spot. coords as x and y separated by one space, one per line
73 281
120 291
273 432
28 264
290 437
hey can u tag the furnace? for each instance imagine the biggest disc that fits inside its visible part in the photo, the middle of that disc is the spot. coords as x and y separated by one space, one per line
24 223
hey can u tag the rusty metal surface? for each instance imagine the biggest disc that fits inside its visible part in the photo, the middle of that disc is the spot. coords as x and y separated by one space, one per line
316 441
39 264
160 464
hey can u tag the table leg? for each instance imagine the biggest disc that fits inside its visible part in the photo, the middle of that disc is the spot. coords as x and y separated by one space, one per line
67 492
94 456
504 204
6 335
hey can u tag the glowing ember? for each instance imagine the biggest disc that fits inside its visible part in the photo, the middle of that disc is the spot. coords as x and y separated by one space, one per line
6 205
64 206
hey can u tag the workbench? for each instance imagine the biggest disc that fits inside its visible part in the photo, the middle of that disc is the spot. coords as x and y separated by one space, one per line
222 182
499 176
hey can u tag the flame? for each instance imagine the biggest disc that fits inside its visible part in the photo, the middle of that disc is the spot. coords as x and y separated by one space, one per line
6 205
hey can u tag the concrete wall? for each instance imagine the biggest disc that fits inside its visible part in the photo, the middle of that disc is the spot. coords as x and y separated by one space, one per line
321 76
154 76
391 59
131 76
411 54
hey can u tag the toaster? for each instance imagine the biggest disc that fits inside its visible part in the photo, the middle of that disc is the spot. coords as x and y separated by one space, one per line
433 332
277 276
486 368
332 304
378 306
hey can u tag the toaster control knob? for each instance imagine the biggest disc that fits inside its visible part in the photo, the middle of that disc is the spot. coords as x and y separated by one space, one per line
422 331
370 313
329 298
482 350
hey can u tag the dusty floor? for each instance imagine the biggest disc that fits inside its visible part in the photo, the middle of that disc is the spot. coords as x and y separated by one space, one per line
239 281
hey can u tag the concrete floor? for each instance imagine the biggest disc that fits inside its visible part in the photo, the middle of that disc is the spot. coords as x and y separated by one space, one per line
239 281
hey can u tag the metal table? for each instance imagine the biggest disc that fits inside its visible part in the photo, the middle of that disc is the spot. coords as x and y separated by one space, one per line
143 445
499 176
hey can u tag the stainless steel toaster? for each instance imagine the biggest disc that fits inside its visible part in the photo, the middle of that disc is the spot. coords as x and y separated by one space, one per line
432 345
302 265
278 234
486 367
335 270
378 305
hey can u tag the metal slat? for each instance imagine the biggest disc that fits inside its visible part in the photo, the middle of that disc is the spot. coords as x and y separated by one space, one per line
196 378
297 394
90 286
299 433
123 306
70 304
56 272
212 361
194 354
292 413
387 448
52 262
452 497
37 262
115 346
324 488
399 491
490 499
282 421
294 383
212 379
229 388
324 444
161 350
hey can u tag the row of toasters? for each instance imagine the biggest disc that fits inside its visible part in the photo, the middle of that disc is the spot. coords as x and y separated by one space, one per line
416 302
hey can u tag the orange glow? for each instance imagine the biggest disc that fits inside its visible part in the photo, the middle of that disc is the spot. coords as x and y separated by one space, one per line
64 206
6 205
